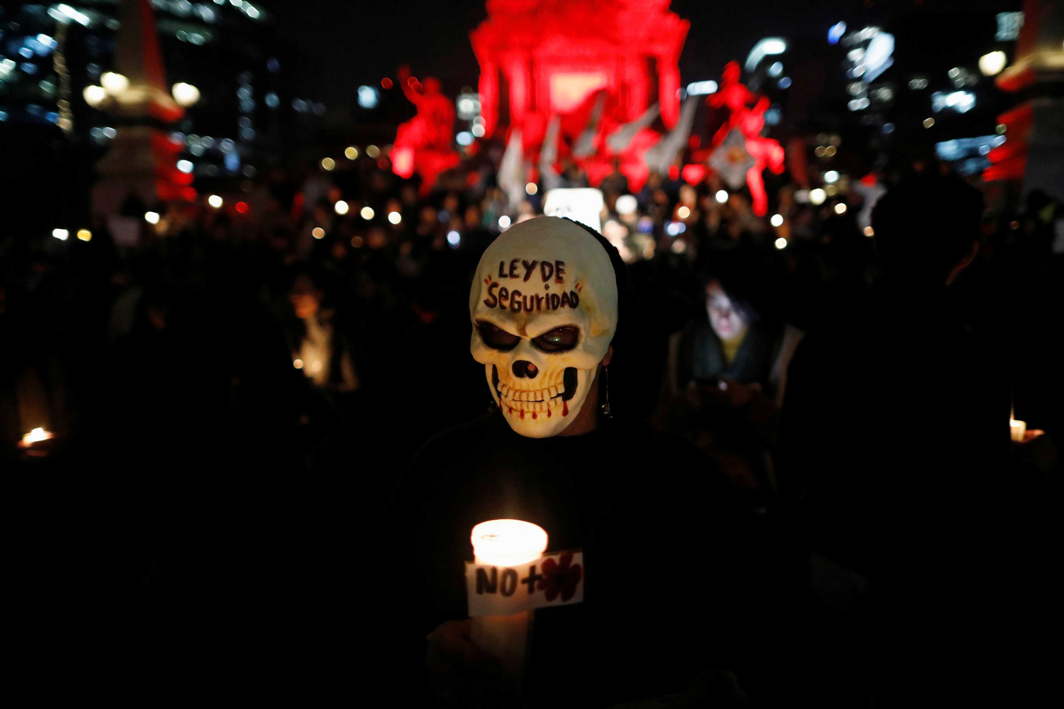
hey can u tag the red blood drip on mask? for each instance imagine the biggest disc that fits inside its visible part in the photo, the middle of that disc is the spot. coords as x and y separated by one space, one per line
522 413
534 415
565 408
511 410
548 413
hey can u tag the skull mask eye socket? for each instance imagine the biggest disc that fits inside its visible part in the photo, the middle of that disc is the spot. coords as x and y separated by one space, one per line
495 337
560 339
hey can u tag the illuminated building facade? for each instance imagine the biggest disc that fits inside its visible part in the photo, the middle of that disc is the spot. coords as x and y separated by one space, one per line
1033 158
915 83
50 53
897 82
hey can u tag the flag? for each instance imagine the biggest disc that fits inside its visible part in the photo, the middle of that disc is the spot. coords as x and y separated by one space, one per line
619 140
662 154
548 155
512 170
731 160
585 144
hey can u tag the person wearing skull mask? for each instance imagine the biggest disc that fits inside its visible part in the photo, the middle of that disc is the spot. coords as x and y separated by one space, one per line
641 506
542 326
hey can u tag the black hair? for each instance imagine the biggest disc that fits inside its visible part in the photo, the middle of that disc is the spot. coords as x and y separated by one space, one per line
313 272
617 385
620 273
924 226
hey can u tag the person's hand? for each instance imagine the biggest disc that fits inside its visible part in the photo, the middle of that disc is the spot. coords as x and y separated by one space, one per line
739 394
730 392
460 673
1032 433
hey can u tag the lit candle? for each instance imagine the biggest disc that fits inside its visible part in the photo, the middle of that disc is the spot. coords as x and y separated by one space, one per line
33 444
1018 429
506 543
35 436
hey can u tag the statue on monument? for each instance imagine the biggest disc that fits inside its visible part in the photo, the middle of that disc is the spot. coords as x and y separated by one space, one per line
766 153
424 143
740 153
432 127
733 96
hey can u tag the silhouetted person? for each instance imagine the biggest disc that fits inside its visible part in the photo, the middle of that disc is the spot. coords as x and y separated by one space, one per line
895 440
318 349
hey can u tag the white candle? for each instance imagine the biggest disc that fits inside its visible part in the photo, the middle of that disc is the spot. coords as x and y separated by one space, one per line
506 542
1018 429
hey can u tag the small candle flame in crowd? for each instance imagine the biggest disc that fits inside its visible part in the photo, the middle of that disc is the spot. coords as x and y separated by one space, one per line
36 436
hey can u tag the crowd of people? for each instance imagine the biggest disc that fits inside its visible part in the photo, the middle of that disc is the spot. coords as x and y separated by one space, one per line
236 390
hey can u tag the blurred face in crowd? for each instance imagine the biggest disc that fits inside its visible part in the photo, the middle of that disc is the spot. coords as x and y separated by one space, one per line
472 216
321 214
724 317
305 298
688 196
408 195
617 234
427 218
376 238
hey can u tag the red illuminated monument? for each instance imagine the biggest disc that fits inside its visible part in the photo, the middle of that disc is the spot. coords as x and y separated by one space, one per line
597 64
423 144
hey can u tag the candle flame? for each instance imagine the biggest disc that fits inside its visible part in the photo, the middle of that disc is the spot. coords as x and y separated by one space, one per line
36 436
508 542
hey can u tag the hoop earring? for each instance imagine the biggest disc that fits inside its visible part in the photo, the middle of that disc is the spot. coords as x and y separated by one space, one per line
604 407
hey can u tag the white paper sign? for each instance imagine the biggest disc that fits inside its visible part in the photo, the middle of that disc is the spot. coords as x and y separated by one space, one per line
581 204
552 580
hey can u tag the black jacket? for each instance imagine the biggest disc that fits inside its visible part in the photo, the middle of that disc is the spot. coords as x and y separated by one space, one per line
678 571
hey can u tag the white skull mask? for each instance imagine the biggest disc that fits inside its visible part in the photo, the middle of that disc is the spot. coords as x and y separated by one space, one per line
544 310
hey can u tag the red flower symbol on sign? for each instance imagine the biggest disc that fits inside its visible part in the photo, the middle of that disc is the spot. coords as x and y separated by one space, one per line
560 578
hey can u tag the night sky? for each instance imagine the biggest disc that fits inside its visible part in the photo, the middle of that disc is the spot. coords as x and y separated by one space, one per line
359 42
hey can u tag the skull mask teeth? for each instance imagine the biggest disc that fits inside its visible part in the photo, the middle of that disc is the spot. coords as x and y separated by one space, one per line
549 397
544 309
